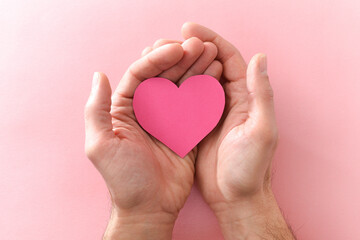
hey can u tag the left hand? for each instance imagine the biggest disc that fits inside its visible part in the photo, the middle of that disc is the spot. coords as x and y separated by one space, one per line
234 161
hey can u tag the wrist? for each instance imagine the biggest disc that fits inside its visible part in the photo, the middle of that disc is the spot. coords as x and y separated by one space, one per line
252 217
129 225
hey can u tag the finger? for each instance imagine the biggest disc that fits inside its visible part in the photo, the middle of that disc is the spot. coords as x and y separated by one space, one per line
261 104
193 48
215 70
202 63
162 42
158 43
229 56
146 51
148 66
98 123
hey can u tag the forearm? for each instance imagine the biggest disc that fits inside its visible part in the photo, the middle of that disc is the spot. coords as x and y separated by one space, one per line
258 217
138 227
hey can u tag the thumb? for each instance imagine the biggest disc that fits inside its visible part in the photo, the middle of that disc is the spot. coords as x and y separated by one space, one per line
98 125
261 104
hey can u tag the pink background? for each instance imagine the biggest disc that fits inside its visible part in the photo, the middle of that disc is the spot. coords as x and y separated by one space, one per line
50 49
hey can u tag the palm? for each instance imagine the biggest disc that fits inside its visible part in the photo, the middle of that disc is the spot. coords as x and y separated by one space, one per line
141 172
234 159
148 169
217 152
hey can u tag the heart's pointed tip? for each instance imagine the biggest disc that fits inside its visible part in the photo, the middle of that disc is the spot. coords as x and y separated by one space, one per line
182 154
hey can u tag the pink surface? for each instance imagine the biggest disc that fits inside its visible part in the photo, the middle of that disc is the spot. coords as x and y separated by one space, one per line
179 117
50 49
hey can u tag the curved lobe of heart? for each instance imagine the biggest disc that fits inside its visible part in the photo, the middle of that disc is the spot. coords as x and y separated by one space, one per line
179 117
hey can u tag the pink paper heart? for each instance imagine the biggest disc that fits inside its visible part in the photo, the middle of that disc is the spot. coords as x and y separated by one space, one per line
179 117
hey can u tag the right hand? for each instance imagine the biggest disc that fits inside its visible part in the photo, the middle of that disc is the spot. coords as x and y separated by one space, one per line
148 182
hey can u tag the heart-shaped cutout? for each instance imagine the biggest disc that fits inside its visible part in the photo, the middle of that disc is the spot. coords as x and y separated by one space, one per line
179 117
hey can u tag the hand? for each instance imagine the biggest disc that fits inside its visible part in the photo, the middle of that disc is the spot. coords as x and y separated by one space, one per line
248 123
233 162
148 183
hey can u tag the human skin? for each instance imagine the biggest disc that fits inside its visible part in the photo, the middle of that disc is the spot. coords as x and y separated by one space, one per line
148 183
233 165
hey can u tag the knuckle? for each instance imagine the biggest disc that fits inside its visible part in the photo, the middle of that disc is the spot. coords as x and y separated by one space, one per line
267 91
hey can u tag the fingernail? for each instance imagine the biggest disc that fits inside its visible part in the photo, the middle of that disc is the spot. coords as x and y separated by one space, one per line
95 80
263 63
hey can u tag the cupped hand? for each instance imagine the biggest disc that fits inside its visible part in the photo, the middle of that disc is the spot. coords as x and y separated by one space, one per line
148 183
233 163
